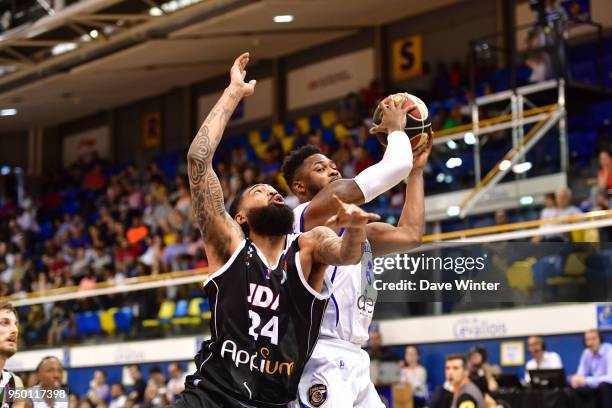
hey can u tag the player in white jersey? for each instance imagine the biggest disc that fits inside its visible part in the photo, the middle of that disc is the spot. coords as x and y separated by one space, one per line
337 374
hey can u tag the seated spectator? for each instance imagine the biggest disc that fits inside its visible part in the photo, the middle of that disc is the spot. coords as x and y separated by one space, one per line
95 180
594 376
415 374
542 359
377 351
604 176
99 391
118 397
176 383
479 368
138 389
564 208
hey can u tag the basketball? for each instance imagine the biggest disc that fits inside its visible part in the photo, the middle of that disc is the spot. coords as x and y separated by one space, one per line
418 121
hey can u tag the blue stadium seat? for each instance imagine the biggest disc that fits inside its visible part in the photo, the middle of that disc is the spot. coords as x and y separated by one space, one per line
123 320
546 267
182 306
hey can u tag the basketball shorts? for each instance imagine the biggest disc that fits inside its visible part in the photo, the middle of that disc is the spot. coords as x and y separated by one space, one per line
200 393
337 376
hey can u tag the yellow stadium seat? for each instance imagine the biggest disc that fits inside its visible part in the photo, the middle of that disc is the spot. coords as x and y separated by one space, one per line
107 320
193 313
278 130
520 275
340 131
574 265
288 143
303 124
260 149
166 311
329 118
254 137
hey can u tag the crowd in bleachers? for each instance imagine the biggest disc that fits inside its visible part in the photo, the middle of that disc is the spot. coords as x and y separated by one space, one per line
97 222
588 383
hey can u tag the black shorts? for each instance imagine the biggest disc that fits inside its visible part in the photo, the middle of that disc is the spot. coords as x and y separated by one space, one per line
204 395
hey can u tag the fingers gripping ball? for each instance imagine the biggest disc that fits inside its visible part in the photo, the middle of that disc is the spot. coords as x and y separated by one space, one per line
418 121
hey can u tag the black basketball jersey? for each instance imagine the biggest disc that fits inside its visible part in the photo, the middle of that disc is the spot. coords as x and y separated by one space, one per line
264 326
7 382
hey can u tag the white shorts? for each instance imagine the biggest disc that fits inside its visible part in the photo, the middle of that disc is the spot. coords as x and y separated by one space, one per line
337 376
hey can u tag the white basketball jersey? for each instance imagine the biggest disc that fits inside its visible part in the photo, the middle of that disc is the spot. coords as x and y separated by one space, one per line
349 312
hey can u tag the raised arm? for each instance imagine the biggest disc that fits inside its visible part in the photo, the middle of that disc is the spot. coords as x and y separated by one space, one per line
221 233
394 167
386 238
321 246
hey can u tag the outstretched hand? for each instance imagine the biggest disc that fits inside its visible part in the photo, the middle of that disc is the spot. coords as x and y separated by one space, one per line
349 216
394 113
421 157
238 74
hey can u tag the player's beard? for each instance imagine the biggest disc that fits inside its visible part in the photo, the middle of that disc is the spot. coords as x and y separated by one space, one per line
7 351
273 219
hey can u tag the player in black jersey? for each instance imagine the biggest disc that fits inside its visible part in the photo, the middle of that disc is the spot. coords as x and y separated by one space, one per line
9 332
266 288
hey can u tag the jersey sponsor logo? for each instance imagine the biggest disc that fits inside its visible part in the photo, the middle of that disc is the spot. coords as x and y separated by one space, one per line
366 304
259 361
317 395
262 296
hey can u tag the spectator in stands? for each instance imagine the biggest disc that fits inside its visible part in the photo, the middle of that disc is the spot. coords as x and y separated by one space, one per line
176 383
138 389
415 374
604 176
542 359
481 372
95 180
563 199
594 375
377 351
118 397
99 391
157 378
463 389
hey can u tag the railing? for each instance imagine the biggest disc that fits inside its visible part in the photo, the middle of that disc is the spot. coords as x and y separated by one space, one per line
595 219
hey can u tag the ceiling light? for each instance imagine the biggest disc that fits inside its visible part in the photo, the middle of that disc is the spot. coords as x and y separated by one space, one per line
63 48
453 162
526 200
8 112
155 12
5 170
451 144
283 19
448 179
453 211
505 165
440 178
93 33
7 69
522 167
469 138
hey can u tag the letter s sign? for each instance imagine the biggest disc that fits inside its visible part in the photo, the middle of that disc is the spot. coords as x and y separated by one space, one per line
407 58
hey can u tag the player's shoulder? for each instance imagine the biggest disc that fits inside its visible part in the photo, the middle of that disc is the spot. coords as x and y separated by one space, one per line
298 216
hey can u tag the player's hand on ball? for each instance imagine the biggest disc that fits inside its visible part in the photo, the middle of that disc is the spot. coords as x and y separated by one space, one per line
421 157
237 75
349 216
394 112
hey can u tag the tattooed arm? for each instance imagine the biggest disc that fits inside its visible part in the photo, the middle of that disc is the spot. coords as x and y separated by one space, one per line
221 233
321 246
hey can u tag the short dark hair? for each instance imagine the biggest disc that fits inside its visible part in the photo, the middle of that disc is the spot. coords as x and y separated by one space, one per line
480 350
40 364
295 159
235 205
457 357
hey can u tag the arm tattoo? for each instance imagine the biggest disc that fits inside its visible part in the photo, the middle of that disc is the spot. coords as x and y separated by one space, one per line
334 250
206 192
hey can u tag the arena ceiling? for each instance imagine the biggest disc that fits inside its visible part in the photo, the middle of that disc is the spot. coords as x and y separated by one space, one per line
133 54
